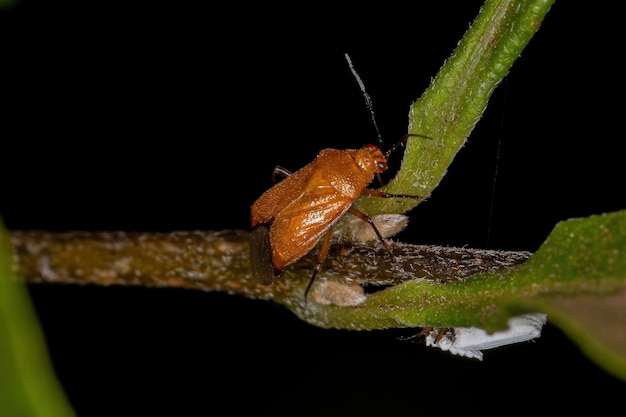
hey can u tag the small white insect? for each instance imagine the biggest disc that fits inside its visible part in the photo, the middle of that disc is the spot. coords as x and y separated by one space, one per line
470 341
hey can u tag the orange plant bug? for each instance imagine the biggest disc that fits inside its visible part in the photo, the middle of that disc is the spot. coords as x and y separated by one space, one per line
290 218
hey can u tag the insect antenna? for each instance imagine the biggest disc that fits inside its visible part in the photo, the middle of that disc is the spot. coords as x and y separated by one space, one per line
370 107
402 142
368 100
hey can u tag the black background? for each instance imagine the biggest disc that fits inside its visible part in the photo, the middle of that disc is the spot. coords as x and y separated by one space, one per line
163 116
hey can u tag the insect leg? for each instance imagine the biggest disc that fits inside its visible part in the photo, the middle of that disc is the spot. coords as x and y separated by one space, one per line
278 170
368 219
320 260
422 332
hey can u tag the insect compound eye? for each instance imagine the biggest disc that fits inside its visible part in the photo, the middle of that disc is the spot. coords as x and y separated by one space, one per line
381 165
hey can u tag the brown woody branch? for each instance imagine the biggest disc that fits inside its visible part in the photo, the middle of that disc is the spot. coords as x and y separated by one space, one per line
219 261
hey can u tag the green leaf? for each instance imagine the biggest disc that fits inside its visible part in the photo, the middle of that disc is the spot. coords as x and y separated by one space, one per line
577 277
7 4
28 386
589 256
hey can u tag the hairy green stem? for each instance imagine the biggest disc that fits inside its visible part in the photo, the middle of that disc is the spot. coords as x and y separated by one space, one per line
455 100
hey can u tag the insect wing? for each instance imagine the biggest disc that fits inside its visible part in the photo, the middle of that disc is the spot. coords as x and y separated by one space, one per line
276 198
298 226
261 255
